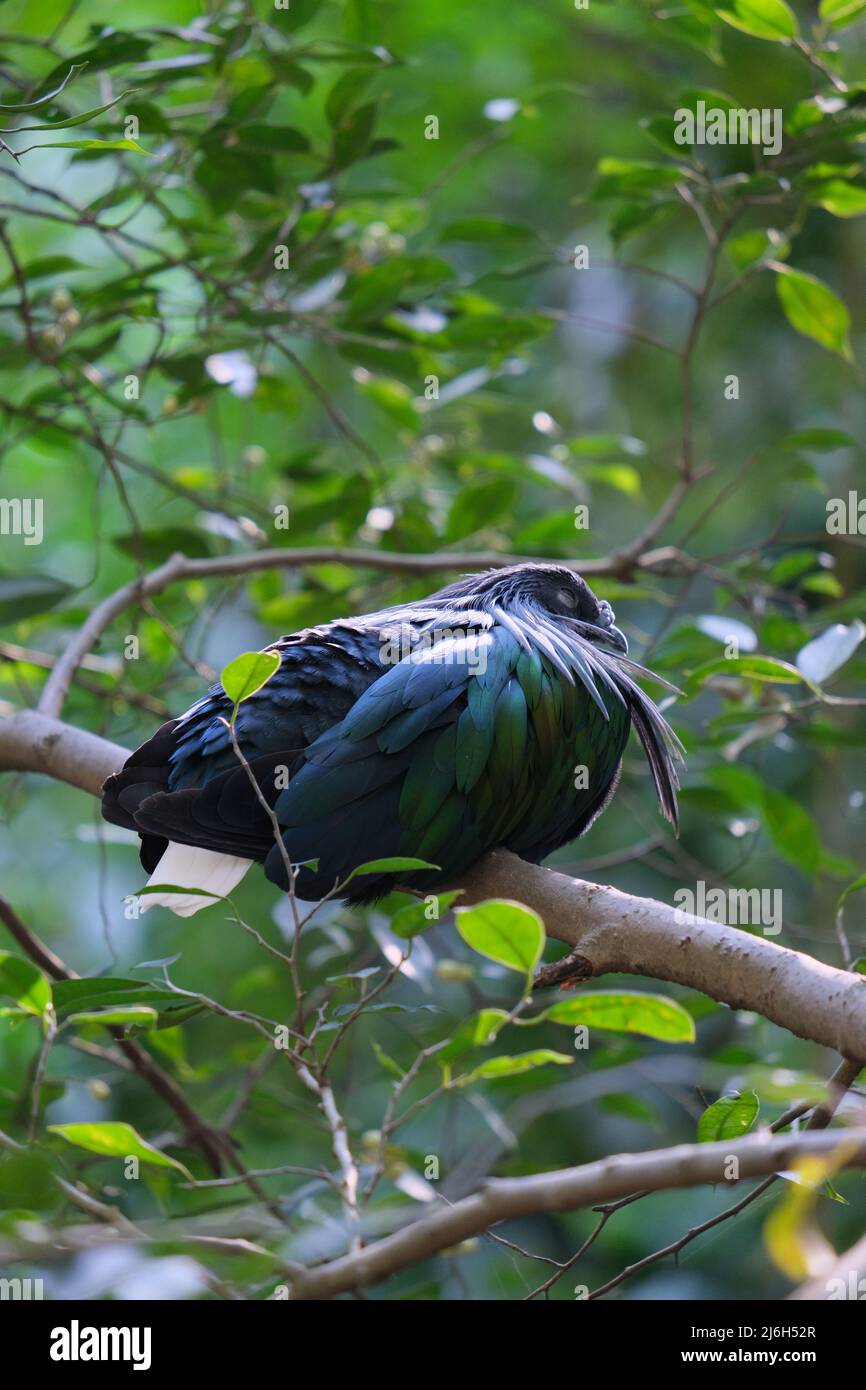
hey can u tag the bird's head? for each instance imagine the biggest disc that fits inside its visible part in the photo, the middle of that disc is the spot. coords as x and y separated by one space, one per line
553 591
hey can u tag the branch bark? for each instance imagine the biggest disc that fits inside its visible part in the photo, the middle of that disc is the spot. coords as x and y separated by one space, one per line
178 567
500 1199
612 931
31 742
608 931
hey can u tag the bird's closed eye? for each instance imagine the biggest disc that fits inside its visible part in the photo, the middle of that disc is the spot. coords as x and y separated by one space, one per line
566 598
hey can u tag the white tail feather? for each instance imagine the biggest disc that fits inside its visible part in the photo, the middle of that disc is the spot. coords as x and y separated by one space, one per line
185 866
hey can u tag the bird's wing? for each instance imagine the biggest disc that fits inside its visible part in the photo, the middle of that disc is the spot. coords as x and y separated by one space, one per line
186 784
459 747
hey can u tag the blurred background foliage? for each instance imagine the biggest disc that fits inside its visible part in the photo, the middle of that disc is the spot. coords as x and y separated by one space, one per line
309 387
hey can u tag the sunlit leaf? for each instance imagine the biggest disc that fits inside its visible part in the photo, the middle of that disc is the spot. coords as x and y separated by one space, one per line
624 1011
22 981
730 1117
115 1139
248 673
504 931
814 309
497 1067
838 13
764 19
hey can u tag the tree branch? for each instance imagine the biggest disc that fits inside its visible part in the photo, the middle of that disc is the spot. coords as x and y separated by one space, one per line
611 931
181 567
30 742
500 1199
608 931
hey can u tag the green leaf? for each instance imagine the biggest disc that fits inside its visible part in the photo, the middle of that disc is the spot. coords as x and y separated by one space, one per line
132 1014
343 96
790 827
821 440
385 1062
399 864
760 668
606 446
116 1139
622 1011
635 178
299 12
41 267
497 1067
856 887
20 980
66 122
814 309
838 13
104 145
792 830
282 139
480 1030
400 278
353 135
248 673
730 1117
29 594
395 399
763 19
104 992
412 919
823 583
504 931
73 72
755 247
840 198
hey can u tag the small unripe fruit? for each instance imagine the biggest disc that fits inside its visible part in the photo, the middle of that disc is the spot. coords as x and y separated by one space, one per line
60 299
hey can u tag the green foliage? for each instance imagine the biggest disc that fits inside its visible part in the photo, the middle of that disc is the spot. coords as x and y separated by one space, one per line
507 932
248 673
115 1139
269 313
651 1015
730 1117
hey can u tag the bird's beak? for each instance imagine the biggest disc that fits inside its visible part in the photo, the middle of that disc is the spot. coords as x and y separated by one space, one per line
614 638
608 636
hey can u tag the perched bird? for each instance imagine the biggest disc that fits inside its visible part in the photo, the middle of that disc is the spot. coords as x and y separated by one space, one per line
495 713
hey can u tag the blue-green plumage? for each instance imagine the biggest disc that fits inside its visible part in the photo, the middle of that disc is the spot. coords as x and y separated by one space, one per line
499 719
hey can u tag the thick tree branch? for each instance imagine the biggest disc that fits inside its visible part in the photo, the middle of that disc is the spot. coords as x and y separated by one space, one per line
613 931
608 930
30 742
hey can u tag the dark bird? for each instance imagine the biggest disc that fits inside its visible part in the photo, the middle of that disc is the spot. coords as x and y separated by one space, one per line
495 713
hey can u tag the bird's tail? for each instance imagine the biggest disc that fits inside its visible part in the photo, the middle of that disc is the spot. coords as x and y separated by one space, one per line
187 866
